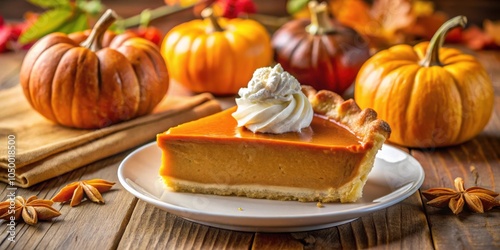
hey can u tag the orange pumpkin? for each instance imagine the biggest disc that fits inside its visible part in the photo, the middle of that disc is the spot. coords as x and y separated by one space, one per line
216 55
431 96
319 51
93 84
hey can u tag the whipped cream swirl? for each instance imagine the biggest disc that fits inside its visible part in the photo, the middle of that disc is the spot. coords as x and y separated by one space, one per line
273 103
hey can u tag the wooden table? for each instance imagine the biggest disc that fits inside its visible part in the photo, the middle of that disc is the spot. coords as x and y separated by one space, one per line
127 222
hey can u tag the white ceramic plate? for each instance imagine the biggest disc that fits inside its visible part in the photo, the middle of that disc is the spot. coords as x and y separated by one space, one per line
395 176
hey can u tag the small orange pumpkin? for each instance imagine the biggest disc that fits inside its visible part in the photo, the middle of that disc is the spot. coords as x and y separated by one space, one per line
430 96
103 80
319 51
216 55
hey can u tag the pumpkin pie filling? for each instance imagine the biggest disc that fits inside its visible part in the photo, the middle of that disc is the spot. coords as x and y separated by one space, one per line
214 150
325 159
325 162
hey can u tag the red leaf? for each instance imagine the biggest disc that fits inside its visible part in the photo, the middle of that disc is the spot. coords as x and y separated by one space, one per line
476 39
233 8
5 32
150 33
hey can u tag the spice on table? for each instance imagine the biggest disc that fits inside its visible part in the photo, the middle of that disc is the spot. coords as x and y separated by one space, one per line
75 191
30 210
478 199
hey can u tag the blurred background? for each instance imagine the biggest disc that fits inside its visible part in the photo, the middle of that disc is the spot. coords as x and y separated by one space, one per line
475 10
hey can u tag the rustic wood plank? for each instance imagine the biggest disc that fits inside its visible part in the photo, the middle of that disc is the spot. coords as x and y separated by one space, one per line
442 166
400 226
87 226
470 231
150 226
265 241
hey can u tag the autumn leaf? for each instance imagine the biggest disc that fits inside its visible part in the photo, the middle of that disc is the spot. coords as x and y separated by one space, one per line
181 2
392 15
46 4
225 8
477 39
381 22
426 25
233 8
60 16
48 22
295 6
78 23
353 13
492 29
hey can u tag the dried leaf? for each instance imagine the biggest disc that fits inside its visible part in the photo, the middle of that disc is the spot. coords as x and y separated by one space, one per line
476 39
492 29
392 14
426 25
353 13
382 23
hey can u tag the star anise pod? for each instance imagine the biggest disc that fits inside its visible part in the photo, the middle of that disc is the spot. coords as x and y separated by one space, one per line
76 191
477 199
30 210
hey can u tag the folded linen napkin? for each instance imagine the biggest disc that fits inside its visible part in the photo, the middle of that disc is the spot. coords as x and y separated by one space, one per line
44 150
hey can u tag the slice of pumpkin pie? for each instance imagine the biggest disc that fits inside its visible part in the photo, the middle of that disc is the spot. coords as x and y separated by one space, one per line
283 141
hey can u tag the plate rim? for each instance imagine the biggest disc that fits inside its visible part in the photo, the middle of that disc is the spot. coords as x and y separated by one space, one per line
182 211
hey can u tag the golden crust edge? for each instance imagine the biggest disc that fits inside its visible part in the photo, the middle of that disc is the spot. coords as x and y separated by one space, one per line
364 123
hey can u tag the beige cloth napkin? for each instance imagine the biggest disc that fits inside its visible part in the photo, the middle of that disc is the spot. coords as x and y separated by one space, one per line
44 150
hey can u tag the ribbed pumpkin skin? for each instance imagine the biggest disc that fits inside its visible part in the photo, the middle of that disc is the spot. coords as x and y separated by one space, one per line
426 106
77 87
327 61
219 62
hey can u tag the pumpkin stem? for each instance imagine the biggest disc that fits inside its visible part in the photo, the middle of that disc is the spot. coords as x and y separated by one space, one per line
432 55
94 41
320 21
209 13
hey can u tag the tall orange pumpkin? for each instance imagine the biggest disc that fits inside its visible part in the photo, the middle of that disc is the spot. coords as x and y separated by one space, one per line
430 96
103 80
216 55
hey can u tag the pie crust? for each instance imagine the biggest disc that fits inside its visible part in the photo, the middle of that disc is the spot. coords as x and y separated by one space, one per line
327 162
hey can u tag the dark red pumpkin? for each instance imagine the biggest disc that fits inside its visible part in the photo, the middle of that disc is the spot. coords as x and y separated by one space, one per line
320 51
